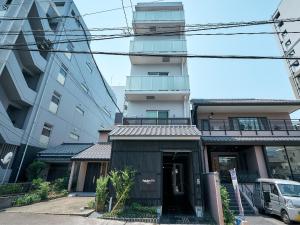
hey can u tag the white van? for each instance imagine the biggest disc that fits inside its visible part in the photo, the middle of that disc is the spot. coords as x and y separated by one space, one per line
280 197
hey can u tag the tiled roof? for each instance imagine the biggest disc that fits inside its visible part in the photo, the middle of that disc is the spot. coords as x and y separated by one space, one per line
66 150
155 131
250 140
99 151
250 101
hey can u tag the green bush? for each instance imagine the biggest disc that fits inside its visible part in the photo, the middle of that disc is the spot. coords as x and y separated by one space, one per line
41 187
35 170
8 189
60 184
91 204
27 199
143 209
228 216
122 182
101 193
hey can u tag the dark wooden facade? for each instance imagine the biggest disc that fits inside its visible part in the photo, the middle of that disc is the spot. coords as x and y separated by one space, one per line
146 158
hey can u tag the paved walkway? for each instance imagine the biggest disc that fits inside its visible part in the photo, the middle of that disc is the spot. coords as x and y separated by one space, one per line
60 206
265 220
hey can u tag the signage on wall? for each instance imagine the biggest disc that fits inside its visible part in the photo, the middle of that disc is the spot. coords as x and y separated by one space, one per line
148 183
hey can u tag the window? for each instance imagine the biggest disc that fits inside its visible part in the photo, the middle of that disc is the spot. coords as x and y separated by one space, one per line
61 77
152 29
249 123
89 66
84 87
205 124
280 24
274 189
295 63
160 114
45 135
293 153
59 4
166 59
284 33
278 165
158 73
288 43
277 15
74 136
80 110
54 103
69 48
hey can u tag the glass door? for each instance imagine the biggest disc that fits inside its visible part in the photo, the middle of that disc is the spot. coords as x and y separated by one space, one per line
226 163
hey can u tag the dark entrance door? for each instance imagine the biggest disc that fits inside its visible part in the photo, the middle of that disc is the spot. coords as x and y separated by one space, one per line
91 176
177 183
226 163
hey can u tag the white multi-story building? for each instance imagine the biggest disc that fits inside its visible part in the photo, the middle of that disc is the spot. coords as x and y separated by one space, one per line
289 38
158 86
47 98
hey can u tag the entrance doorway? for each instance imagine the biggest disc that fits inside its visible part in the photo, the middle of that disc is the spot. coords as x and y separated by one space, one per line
92 174
178 185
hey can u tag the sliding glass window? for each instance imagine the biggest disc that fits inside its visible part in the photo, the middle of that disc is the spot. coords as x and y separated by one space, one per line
283 162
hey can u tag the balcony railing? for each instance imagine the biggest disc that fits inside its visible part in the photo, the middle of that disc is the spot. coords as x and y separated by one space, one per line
273 126
157 83
158 46
156 121
158 16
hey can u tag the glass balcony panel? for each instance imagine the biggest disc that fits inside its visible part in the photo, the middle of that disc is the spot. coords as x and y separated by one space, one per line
157 83
158 46
158 16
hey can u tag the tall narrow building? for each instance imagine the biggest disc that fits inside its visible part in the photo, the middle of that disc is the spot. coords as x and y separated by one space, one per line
289 39
157 138
158 87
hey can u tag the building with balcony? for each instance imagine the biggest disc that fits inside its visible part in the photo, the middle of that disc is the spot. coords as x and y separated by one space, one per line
257 137
47 98
156 137
289 39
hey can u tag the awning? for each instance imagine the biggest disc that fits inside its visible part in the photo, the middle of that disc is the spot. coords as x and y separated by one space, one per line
228 140
155 132
100 151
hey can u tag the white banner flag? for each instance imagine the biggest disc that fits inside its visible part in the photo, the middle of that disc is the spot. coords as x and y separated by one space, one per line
236 191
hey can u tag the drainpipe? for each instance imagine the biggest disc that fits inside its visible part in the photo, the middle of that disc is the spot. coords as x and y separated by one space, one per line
47 72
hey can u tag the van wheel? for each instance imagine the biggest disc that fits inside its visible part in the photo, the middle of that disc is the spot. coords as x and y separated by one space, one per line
285 217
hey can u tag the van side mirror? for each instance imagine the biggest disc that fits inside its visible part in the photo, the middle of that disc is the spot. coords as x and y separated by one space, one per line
267 197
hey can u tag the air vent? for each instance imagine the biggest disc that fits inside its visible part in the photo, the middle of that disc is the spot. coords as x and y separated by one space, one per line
166 59
150 97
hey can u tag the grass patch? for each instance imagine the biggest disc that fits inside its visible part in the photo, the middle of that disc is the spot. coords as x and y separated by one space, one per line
134 211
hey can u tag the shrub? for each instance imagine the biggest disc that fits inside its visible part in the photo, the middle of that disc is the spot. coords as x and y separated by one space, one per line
101 193
42 188
91 204
35 170
60 184
27 199
123 182
8 189
228 216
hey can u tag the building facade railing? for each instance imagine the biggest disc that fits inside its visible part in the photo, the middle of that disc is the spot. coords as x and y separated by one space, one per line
230 126
158 46
156 121
157 16
157 83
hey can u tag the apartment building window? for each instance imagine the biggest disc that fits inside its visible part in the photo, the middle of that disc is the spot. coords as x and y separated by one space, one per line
284 33
84 87
280 24
288 43
54 103
277 15
158 73
295 63
46 133
69 48
59 4
160 114
74 136
61 77
89 66
80 110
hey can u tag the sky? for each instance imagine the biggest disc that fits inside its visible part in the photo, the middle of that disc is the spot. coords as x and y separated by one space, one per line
209 78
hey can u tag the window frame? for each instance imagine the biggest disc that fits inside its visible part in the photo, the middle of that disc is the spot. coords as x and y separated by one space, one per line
74 136
57 97
80 110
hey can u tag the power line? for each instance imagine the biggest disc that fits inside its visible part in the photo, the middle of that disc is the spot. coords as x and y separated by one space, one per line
125 16
160 55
